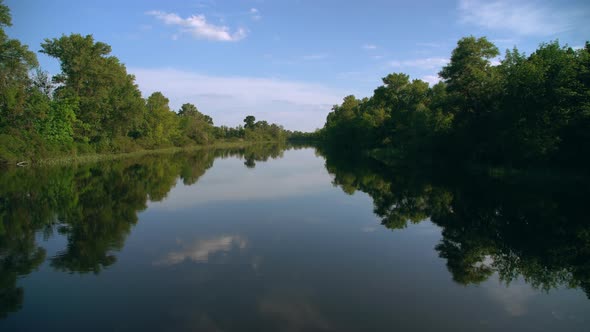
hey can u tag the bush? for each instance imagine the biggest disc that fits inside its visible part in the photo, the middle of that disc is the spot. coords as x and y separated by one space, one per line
11 148
124 144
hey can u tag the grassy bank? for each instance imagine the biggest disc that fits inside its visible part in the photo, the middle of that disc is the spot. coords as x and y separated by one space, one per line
96 157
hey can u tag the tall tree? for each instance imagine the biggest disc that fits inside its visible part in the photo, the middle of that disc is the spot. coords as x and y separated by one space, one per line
473 92
110 103
15 62
161 122
195 125
469 76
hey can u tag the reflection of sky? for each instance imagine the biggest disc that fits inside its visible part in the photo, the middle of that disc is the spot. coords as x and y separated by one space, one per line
200 250
297 173
302 255
295 309
514 299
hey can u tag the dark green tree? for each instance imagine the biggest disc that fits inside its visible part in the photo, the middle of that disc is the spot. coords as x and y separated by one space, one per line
15 62
249 122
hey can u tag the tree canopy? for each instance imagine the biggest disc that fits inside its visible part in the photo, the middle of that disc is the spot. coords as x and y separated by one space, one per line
520 111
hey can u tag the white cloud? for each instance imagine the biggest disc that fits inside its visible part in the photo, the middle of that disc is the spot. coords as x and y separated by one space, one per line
426 63
370 47
433 45
255 14
200 250
431 79
198 27
505 41
515 298
319 56
228 99
524 18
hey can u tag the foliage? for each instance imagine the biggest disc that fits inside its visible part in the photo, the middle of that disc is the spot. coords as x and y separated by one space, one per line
195 125
110 103
525 112
93 105
515 227
94 206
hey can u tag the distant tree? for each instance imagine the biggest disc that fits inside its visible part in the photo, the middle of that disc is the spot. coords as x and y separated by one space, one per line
249 121
188 110
195 125
161 122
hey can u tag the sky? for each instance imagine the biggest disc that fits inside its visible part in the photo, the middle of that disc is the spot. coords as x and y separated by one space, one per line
288 62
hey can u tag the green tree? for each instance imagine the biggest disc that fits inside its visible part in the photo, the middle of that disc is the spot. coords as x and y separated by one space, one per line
546 106
473 96
469 76
195 125
57 127
188 110
15 62
249 121
161 123
110 103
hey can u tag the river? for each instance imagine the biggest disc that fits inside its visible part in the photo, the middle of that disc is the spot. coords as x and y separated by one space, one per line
272 239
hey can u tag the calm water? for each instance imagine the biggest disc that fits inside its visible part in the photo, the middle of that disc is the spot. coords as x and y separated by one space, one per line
261 239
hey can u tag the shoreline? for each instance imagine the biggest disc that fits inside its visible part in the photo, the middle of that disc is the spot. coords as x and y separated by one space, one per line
98 157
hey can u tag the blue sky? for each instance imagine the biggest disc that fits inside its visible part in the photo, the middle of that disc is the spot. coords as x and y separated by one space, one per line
289 61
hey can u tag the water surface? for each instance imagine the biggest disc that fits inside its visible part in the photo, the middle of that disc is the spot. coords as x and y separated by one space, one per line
261 239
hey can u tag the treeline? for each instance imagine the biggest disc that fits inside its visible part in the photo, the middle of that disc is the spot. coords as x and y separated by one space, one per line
526 111
93 105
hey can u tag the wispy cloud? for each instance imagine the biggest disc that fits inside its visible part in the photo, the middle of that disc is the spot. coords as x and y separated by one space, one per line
296 105
504 41
425 63
255 14
433 45
431 79
198 27
370 47
319 56
524 18
201 250
515 299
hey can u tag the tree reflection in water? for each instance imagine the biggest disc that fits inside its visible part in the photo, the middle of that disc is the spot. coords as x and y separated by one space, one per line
93 205
516 226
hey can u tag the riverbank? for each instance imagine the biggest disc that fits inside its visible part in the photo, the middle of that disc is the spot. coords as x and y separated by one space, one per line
393 160
96 157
